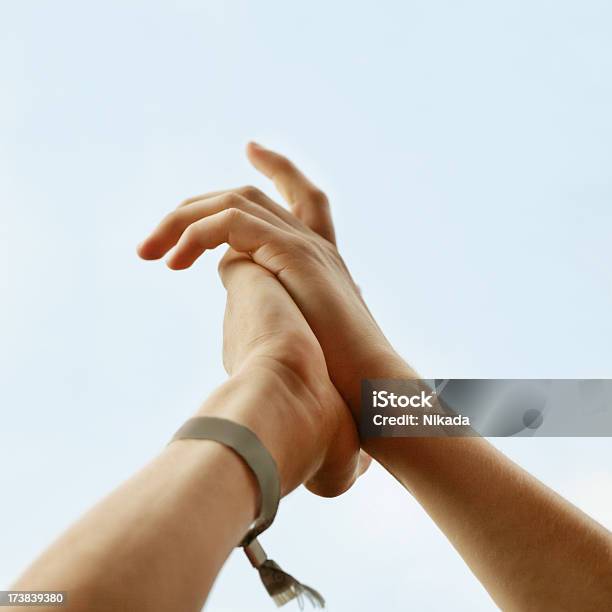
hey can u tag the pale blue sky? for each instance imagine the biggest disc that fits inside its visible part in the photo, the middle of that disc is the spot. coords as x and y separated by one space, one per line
466 148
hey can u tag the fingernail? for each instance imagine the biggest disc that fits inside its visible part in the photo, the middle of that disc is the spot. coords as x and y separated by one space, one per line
256 145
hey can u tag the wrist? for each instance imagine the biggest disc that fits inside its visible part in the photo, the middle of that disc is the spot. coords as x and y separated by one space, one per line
271 402
379 363
209 467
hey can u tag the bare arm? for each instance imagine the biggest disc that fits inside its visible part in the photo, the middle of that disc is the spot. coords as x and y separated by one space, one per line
529 547
159 540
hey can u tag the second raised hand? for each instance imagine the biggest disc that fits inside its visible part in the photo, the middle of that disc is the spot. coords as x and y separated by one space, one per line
298 247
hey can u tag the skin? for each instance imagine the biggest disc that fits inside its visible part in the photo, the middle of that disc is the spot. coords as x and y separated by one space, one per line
261 325
304 261
530 548
166 533
159 540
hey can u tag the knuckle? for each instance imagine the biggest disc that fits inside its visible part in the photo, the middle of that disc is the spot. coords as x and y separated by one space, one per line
309 250
306 250
232 200
249 192
233 214
191 234
318 197
298 243
186 202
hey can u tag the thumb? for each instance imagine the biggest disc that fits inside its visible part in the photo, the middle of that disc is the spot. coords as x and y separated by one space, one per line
308 203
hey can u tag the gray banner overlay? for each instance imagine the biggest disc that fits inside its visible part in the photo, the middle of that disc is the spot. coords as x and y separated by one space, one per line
486 407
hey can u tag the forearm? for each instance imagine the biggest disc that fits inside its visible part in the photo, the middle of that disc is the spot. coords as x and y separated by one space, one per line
149 545
159 540
530 548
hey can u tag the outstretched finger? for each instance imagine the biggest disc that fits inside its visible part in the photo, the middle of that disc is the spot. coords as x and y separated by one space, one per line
171 228
244 232
307 201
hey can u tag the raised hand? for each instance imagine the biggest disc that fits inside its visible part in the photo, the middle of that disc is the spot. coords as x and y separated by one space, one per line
298 248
